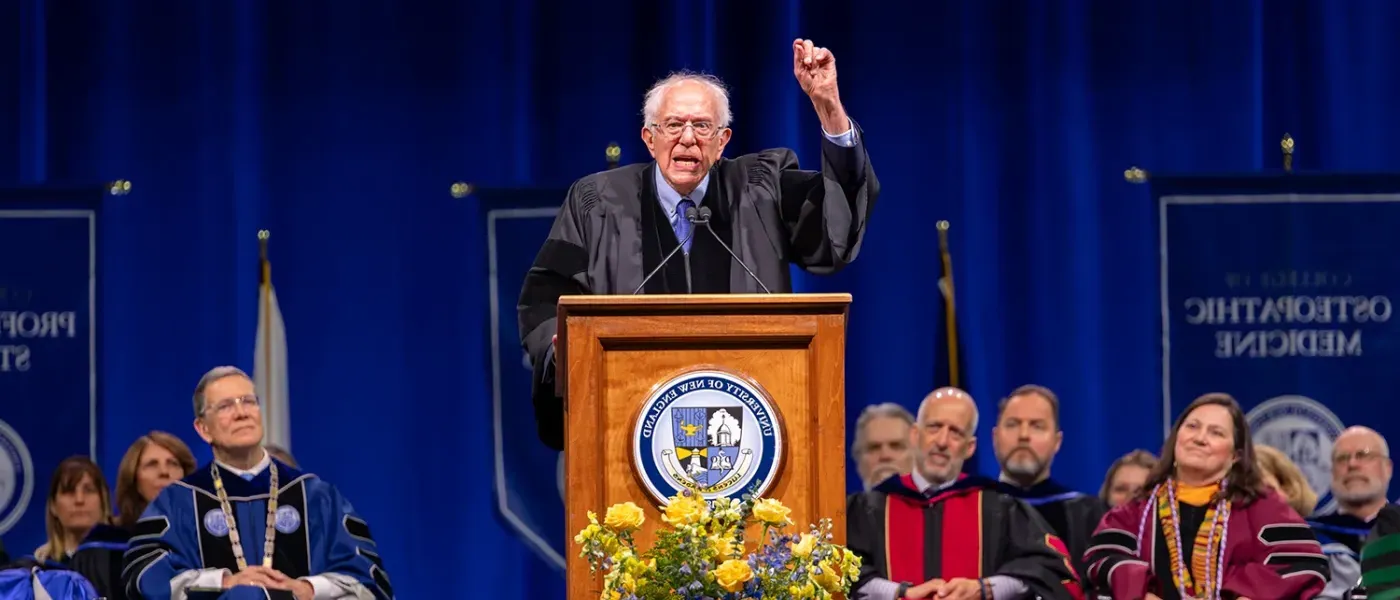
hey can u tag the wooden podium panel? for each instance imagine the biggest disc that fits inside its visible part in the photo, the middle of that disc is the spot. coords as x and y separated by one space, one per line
615 352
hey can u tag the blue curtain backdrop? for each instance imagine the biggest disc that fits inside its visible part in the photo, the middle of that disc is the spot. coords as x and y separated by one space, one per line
339 127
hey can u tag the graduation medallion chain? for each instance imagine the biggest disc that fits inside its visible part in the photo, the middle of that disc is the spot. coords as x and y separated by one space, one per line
233 537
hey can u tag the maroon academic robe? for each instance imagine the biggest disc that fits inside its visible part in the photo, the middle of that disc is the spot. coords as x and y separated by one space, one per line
966 530
1270 553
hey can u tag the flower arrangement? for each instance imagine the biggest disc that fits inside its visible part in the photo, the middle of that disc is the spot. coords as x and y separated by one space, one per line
700 553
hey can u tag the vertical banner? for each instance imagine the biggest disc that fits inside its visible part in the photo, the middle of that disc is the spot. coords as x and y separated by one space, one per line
1278 290
529 482
49 368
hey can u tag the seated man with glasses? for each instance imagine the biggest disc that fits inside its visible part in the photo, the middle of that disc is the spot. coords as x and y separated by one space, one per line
636 229
1361 470
248 525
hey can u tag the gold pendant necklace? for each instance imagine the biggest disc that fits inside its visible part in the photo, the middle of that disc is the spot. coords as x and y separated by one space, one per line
233 537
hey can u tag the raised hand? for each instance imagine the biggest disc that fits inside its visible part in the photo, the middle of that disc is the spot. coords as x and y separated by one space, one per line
815 70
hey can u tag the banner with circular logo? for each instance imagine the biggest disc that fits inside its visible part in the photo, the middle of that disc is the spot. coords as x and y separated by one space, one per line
708 431
1303 429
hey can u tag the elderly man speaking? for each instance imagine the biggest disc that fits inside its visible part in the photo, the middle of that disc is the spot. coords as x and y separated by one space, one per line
617 227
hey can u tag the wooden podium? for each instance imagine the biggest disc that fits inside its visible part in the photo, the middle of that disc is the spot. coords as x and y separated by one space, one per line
685 384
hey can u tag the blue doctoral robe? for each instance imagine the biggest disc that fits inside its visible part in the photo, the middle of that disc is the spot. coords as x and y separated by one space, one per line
318 534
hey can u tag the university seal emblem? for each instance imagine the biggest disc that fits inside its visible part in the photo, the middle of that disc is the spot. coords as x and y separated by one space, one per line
287 519
16 477
215 523
1303 429
708 431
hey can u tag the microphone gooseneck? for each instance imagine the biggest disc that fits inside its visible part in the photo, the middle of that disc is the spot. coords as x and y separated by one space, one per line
691 215
704 219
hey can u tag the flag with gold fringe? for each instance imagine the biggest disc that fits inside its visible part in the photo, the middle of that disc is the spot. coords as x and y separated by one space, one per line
270 357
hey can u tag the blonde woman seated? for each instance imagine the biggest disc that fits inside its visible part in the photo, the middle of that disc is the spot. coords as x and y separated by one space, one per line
78 501
154 461
1206 526
1279 473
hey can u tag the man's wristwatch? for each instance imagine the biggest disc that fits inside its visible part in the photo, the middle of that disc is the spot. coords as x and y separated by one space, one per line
902 591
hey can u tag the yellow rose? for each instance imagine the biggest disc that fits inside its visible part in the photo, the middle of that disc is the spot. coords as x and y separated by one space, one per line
733 574
771 512
804 545
684 510
722 545
624 517
829 579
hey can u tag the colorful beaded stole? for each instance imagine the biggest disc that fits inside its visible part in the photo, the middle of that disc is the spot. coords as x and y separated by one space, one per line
1208 550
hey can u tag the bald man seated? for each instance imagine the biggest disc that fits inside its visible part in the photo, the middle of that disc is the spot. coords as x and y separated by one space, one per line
1361 470
937 533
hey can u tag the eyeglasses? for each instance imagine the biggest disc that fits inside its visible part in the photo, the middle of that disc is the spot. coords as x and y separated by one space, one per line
1361 456
675 128
227 406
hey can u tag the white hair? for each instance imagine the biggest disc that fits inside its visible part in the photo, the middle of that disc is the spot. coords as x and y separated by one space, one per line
652 105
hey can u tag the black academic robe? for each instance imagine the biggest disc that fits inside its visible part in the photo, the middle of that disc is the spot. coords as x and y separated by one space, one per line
1071 515
969 530
612 230
99 559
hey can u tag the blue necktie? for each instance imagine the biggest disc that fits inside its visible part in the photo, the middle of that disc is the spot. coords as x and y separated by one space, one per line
681 225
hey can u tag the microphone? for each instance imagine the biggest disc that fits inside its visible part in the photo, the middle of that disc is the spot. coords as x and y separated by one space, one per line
690 215
704 219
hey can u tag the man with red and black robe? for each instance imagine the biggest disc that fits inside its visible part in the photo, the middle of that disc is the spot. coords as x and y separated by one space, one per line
937 533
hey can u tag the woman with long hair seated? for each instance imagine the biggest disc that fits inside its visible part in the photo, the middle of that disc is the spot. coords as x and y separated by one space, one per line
154 461
78 501
1206 526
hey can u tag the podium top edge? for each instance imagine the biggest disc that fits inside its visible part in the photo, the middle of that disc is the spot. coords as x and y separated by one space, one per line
837 302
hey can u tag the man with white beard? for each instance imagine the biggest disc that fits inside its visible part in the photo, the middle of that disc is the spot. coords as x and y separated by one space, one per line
1361 470
1026 438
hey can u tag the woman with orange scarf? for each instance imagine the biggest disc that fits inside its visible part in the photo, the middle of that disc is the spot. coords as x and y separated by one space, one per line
1205 526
